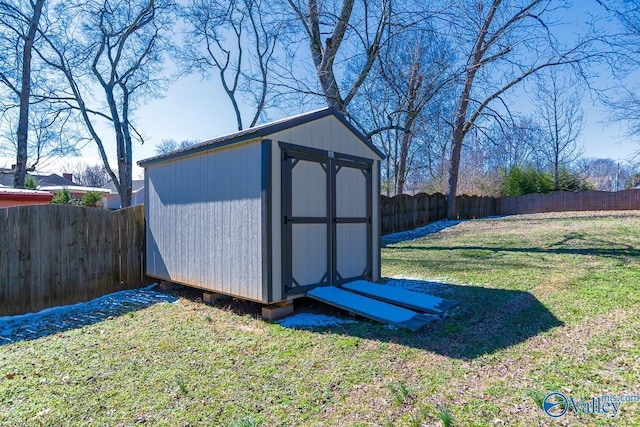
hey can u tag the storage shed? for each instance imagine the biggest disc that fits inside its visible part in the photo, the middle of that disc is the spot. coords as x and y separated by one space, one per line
267 213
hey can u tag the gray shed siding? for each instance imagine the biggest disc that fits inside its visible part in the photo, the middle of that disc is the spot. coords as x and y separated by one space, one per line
204 220
329 134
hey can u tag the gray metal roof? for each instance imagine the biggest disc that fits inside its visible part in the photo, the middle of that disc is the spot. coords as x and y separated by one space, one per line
6 179
259 131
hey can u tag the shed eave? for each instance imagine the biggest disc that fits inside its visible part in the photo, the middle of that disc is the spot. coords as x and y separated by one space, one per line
259 132
199 148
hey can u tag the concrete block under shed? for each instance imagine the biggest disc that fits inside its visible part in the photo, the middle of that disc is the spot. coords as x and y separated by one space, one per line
276 312
211 297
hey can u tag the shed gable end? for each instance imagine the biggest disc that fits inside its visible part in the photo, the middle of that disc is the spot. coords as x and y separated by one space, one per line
327 133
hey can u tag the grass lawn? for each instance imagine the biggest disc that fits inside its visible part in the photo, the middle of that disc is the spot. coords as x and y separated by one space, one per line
546 303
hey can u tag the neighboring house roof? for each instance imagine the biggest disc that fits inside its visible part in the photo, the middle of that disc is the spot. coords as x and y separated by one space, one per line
260 131
22 191
52 179
6 178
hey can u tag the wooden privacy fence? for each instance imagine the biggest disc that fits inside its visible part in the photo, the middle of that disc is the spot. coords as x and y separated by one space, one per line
405 212
563 201
54 255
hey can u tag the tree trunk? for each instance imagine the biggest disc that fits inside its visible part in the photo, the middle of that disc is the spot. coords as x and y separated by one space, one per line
124 175
461 125
454 169
25 94
125 158
124 190
123 143
415 83
556 170
459 131
388 174
330 90
402 163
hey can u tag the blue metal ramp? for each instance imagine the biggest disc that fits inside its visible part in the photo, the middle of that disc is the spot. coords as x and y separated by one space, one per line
398 296
370 308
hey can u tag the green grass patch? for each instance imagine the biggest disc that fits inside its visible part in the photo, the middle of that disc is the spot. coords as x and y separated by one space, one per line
545 303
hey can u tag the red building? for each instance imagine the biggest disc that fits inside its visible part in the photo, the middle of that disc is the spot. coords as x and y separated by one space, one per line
17 197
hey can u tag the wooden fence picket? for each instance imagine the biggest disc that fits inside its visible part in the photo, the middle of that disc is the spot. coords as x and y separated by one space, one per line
54 255
404 212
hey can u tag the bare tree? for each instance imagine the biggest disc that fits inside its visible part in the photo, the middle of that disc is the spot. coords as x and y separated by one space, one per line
508 42
115 47
513 143
603 173
624 98
416 80
235 39
435 151
51 134
398 99
23 23
169 145
561 120
478 176
90 175
360 30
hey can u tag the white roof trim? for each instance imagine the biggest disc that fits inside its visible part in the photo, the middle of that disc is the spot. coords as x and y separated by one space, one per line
9 190
74 188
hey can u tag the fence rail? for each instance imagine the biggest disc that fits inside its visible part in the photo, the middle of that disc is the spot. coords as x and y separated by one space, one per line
405 212
54 255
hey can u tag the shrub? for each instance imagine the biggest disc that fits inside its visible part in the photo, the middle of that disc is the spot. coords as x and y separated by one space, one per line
632 181
62 197
526 180
573 181
92 199
30 183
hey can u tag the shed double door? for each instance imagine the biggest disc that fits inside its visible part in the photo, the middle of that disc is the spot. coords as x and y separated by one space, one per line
326 228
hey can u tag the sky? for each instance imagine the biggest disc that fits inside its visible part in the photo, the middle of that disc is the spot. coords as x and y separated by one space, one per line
195 109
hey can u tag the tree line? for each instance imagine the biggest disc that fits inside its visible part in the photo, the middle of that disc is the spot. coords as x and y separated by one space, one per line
435 85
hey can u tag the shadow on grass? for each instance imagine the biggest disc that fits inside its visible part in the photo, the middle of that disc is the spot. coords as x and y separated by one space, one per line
484 321
59 319
606 250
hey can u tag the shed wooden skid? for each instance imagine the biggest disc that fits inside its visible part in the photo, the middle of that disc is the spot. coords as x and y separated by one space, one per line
267 213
